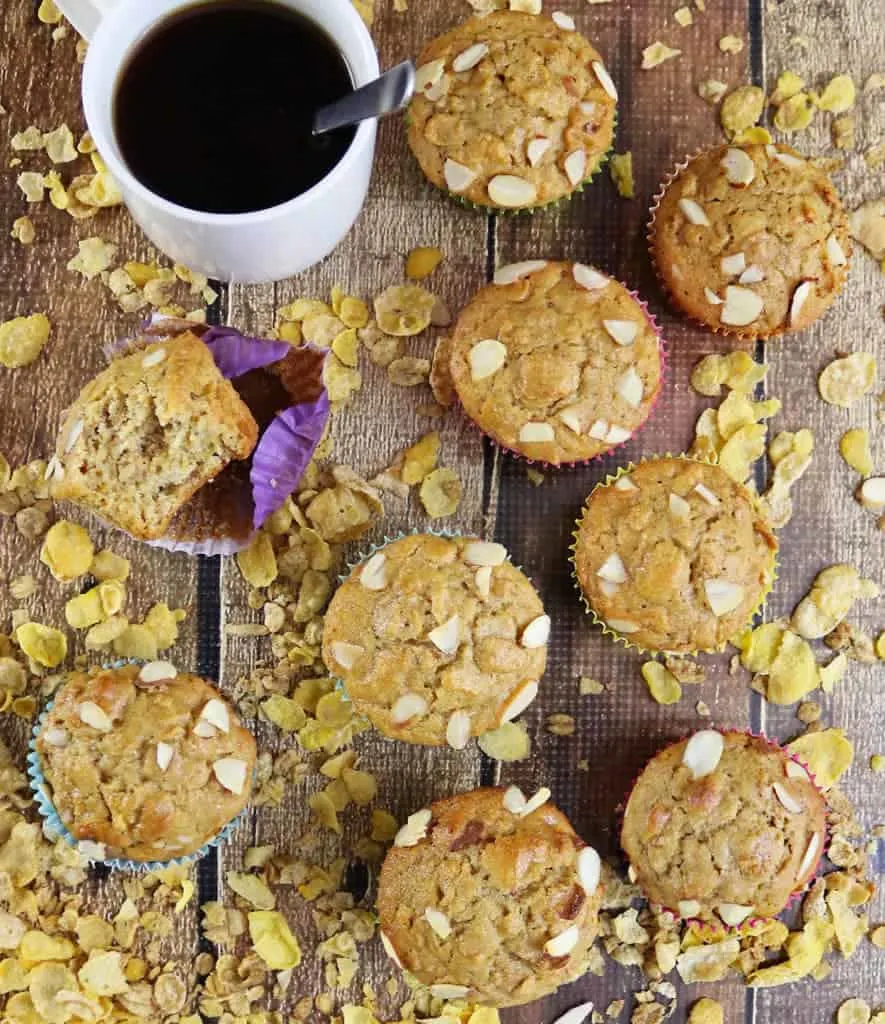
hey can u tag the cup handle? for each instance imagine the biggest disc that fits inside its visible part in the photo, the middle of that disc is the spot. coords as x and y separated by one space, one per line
85 15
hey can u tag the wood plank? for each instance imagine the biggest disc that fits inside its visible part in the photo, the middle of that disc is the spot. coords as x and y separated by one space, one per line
40 86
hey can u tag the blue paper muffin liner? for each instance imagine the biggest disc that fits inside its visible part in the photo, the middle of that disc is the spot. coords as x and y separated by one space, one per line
54 827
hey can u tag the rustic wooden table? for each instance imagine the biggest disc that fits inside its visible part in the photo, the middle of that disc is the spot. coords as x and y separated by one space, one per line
660 119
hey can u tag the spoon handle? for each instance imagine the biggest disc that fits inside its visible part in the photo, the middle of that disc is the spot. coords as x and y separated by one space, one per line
387 94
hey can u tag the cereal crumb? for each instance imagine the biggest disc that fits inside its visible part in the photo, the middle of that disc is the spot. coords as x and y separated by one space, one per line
621 170
587 686
656 53
683 16
560 724
877 763
731 44
23 230
712 90
22 339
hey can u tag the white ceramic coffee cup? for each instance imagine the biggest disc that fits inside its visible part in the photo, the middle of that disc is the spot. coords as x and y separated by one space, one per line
266 245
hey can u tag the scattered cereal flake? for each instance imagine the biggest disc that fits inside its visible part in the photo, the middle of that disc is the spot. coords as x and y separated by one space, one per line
843 132
420 459
341 381
712 90
794 114
832 672
741 109
404 310
731 44
441 383
846 380
828 754
23 230
867 226
46 645
27 141
408 371
22 339
805 951
31 185
832 595
756 135
48 13
853 1011
706 1011
877 763
621 170
534 476
788 84
422 261
683 16
854 446
656 54
273 940
662 684
67 551
880 646
874 157
94 256
509 742
838 96
590 687
59 145
346 346
441 493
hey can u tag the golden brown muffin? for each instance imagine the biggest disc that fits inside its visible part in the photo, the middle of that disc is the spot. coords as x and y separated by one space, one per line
148 764
557 362
511 111
751 240
675 556
723 827
490 897
437 639
148 432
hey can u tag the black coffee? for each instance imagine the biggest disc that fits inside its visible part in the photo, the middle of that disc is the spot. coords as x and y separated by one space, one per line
215 107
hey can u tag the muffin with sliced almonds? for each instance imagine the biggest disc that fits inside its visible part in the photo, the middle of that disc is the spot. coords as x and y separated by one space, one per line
437 638
724 827
491 897
750 240
556 362
673 555
511 111
143 763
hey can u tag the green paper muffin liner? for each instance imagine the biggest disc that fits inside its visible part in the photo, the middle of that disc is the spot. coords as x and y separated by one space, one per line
622 638
54 828
712 931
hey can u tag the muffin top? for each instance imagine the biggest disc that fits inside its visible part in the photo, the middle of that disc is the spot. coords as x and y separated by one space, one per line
751 240
147 763
557 362
148 432
724 826
674 555
437 639
511 110
491 897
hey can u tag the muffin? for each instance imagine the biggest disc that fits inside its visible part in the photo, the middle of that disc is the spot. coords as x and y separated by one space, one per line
673 555
437 639
148 432
723 827
751 240
490 897
149 762
511 111
556 361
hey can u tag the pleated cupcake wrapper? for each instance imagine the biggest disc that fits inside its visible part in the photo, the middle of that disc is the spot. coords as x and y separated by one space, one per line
711 931
572 463
743 333
623 638
207 548
54 826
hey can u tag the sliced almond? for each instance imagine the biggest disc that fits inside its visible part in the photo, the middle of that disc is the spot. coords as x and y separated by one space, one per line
739 167
598 430
514 800
469 58
373 575
56 737
536 633
346 654
679 507
604 78
526 6
733 914
510 191
215 713
484 552
712 297
438 922
154 358
630 387
517 271
483 580
572 419
429 74
734 264
706 494
447 636
693 212
458 730
436 91
812 852
589 870
536 149
871 493
575 166
612 569
231 773
589 277
536 433
625 483
608 588
538 800
164 755
447 992
564 943
94 716
800 297
741 306
752 275
415 828
157 672
390 951
458 177
565 21
519 701
835 252
622 625
795 770
407 707
486 358
688 908
703 752
205 730
74 435
723 596
622 331
788 159
54 469
786 798
616 434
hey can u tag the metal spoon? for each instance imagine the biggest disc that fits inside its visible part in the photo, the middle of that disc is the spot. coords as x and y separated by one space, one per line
387 94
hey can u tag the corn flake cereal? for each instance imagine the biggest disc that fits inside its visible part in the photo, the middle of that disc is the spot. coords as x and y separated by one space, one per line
662 684
741 109
828 754
867 226
794 114
620 167
706 1011
509 742
31 185
845 381
67 551
273 941
788 84
422 261
656 53
441 493
832 595
420 459
258 562
838 96
22 339
854 446
404 310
